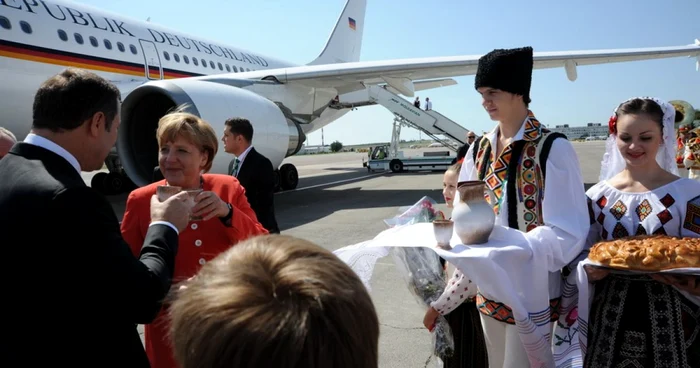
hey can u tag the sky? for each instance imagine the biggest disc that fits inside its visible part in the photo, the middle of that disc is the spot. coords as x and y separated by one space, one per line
297 30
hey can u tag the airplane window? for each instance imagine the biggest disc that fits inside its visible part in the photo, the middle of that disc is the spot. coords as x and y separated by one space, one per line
221 67
204 63
5 23
62 35
235 70
166 55
186 59
93 41
120 46
195 61
228 68
25 27
133 49
108 44
211 63
78 38
177 58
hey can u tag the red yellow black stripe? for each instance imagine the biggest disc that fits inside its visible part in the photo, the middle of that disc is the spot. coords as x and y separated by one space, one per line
21 51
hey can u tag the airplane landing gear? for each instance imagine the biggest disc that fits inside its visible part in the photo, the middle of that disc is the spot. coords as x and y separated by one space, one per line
288 177
111 183
276 180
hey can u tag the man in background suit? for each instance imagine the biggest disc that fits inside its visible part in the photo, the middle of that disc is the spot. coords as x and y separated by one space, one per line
253 170
462 151
68 271
7 140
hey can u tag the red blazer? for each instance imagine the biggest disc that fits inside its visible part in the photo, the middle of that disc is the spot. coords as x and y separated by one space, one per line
198 243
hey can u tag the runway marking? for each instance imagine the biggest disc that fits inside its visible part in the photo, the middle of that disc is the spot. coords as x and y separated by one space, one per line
331 183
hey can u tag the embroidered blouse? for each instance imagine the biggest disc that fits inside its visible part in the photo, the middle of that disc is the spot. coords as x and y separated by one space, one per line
672 209
564 211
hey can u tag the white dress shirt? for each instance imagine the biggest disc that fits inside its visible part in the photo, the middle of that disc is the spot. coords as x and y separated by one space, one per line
45 143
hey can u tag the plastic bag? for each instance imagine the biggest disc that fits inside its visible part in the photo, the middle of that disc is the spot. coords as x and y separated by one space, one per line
421 270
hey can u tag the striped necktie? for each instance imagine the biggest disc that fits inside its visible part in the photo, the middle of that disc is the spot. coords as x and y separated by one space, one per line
236 163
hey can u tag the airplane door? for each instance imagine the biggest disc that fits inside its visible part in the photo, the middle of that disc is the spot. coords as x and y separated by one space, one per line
152 67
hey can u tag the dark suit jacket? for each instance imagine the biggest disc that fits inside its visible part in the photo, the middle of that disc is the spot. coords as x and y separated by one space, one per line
257 177
462 151
73 290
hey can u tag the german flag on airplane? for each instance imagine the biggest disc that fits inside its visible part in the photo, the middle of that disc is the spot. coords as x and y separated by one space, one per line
351 23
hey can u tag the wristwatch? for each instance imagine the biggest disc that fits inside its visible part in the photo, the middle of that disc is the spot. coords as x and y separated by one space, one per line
226 220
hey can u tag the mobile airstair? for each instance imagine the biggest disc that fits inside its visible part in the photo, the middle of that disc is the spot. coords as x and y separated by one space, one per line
432 123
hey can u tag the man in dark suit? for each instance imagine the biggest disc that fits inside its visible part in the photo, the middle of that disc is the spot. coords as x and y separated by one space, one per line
471 136
253 170
69 273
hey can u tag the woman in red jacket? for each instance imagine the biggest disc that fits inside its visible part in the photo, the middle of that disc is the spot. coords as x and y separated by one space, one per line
188 145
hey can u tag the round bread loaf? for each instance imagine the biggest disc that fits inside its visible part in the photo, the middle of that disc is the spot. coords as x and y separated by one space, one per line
647 253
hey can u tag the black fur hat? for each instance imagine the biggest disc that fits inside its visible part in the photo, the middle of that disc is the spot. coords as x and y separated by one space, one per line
509 70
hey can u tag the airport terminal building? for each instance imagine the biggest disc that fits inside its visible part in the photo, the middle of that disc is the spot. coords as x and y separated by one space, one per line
591 130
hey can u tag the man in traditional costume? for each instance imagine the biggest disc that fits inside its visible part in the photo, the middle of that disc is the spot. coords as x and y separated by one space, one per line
691 157
536 178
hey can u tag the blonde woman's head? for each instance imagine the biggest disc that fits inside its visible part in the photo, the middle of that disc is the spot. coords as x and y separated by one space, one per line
187 147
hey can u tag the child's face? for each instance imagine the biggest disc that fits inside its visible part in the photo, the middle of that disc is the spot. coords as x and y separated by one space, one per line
449 187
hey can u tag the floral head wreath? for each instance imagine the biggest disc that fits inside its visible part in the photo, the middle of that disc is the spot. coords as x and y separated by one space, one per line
613 163
612 124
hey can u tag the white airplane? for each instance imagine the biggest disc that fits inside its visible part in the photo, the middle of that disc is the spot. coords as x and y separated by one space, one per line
157 68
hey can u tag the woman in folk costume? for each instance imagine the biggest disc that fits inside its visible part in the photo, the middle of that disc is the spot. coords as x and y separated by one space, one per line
187 146
691 157
637 320
536 178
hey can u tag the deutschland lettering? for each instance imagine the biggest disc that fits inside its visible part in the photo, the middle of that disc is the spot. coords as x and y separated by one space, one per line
85 19
207 48
64 13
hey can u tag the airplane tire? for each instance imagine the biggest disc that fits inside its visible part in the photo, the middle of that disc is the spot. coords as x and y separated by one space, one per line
97 182
396 165
276 180
114 183
289 177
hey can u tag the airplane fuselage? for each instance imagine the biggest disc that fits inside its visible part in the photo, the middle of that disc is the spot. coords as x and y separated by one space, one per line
39 38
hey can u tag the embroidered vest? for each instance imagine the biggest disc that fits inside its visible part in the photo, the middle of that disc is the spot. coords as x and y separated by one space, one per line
520 171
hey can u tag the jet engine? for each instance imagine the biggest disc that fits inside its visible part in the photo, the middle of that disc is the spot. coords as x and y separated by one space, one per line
276 136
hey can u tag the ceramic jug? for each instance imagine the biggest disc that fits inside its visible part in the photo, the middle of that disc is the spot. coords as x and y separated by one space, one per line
473 217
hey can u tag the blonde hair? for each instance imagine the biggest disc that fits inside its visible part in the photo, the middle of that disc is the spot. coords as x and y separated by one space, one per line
455 168
193 129
274 301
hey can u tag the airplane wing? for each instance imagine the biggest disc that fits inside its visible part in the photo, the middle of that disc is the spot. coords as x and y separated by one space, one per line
400 73
428 84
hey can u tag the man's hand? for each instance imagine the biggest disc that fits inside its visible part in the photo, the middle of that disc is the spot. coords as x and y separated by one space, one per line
431 316
687 283
595 273
175 210
208 205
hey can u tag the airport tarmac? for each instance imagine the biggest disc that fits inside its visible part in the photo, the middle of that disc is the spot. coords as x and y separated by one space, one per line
338 203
